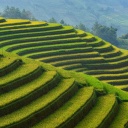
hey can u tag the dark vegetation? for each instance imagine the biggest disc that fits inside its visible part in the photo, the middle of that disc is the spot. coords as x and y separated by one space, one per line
123 41
16 13
124 36
107 33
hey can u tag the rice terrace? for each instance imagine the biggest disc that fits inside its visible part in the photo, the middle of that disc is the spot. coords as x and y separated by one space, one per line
55 76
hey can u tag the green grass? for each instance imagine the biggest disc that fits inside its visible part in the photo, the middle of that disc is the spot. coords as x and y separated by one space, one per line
12 45
8 65
107 87
40 40
79 77
27 89
98 113
80 69
69 51
116 66
104 48
118 58
17 74
52 26
10 22
122 81
5 62
40 47
98 42
64 30
122 116
2 20
68 110
112 54
31 24
84 79
107 70
67 57
55 98
123 87
17 98
72 66
29 110
112 76
88 38
80 60
81 33
33 91
40 37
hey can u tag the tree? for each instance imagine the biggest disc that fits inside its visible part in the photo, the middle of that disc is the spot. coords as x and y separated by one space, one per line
82 27
52 20
12 12
63 22
27 15
124 36
107 33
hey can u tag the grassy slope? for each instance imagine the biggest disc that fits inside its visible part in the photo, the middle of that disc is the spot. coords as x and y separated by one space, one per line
122 114
90 121
36 40
80 77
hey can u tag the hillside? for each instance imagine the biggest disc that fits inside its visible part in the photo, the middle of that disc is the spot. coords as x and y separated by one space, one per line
66 47
35 94
110 12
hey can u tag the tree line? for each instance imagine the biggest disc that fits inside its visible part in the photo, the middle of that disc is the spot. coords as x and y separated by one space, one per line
16 13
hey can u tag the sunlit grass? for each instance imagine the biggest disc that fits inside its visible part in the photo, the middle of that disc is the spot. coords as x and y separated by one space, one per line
4 62
98 113
68 110
29 110
28 88
121 117
17 74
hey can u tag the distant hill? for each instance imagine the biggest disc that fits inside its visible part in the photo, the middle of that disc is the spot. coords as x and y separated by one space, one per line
73 11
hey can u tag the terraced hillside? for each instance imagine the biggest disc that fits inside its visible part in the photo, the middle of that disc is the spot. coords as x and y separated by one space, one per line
65 47
38 95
